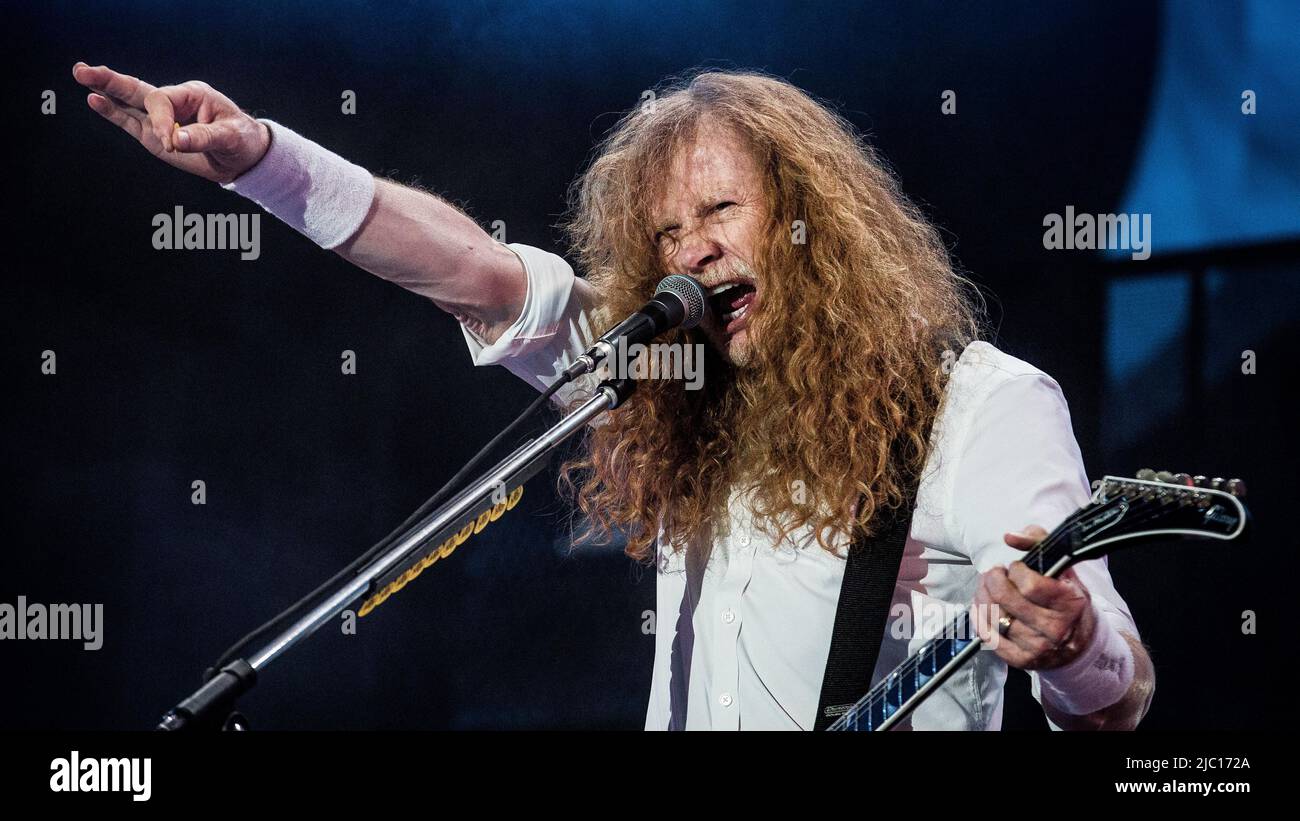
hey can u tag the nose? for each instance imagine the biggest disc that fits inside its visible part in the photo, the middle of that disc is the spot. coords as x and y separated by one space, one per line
695 253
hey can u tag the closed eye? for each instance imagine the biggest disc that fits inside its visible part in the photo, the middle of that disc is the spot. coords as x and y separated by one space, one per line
722 205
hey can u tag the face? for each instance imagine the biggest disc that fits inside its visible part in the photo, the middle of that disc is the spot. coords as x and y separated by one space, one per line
707 225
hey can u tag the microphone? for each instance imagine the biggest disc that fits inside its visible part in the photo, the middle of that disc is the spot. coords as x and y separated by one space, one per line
679 301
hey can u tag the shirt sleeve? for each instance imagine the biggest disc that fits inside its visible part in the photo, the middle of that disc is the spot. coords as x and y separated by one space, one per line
553 328
1021 465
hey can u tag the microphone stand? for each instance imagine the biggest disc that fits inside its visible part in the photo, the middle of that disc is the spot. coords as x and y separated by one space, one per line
212 705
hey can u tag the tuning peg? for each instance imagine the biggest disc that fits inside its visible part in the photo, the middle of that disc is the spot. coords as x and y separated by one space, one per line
1216 483
1165 476
1146 475
1199 481
1182 479
1237 488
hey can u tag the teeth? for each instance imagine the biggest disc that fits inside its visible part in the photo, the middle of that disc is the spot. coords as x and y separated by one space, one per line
717 289
734 315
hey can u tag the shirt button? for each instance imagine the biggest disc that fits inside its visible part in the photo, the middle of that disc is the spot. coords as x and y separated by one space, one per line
728 615
744 538
725 699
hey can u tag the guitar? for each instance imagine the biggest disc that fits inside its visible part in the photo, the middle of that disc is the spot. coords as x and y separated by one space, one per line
1154 507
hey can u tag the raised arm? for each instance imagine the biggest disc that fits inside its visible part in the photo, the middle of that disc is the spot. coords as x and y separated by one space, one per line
402 234
429 246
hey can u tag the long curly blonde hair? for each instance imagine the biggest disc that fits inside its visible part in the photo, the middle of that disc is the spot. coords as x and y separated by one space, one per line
829 423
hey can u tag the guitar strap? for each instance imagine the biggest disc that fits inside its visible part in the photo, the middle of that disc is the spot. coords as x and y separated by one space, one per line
862 612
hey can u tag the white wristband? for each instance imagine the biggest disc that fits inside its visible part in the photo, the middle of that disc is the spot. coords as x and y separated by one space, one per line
1098 678
312 189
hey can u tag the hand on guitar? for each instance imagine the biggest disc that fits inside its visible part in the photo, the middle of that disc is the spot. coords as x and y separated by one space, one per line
1051 620
1038 623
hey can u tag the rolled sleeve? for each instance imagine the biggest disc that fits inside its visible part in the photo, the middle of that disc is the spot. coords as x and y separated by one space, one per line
553 327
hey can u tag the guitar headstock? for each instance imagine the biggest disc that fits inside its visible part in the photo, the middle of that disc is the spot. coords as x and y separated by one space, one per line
1157 506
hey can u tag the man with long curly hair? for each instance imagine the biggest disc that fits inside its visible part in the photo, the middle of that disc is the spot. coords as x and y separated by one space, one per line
844 381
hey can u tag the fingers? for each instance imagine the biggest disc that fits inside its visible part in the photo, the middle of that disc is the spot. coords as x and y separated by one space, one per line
169 104
201 137
1026 538
1040 629
1045 614
162 116
128 119
1009 648
109 83
1053 594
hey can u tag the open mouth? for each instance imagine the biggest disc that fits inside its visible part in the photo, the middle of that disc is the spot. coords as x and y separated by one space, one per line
731 303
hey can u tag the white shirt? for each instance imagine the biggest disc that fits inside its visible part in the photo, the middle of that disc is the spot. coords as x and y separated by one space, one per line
742 642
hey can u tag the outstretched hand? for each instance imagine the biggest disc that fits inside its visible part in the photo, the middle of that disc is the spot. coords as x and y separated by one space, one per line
191 126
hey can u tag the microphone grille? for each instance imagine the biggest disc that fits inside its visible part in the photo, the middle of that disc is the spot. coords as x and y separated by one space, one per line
691 294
